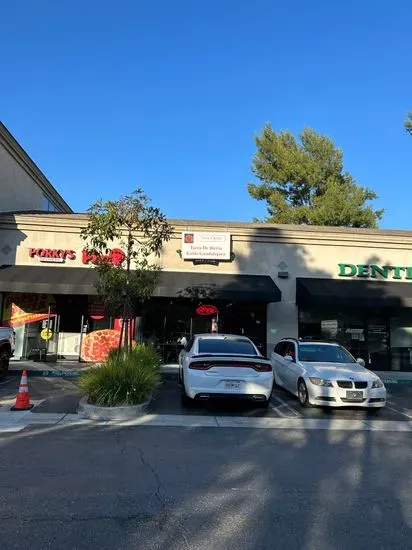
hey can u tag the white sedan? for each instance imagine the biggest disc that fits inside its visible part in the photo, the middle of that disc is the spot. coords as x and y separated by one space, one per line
326 374
224 365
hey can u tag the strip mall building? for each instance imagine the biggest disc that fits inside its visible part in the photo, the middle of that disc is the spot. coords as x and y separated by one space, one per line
264 281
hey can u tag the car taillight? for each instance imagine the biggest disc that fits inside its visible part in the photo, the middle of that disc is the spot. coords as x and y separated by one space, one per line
200 365
205 365
263 367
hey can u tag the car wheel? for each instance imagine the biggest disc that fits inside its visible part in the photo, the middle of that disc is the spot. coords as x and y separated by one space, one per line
185 399
303 394
4 362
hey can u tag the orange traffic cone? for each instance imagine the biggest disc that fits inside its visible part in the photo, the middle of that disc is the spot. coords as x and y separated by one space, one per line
23 398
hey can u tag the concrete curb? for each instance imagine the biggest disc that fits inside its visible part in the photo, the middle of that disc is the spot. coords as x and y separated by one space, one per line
47 373
72 373
11 423
95 412
53 372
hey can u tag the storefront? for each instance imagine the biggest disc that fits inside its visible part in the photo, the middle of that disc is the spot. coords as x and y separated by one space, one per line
264 281
372 319
65 302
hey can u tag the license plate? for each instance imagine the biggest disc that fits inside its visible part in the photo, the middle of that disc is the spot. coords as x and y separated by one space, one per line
354 395
233 385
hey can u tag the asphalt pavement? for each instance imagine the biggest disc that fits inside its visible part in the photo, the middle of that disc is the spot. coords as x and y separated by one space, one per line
60 395
84 487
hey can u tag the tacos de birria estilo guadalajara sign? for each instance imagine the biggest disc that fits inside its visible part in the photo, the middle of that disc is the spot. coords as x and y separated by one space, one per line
202 247
373 271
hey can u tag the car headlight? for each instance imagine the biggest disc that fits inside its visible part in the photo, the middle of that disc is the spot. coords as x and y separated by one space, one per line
377 383
320 382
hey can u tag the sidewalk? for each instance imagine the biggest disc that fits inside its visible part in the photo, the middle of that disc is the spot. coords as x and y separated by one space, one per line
67 369
393 377
61 368
72 369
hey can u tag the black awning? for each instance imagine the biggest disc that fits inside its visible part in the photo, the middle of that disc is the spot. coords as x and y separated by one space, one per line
47 279
357 293
253 288
80 280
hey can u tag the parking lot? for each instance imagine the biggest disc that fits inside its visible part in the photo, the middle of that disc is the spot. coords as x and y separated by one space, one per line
60 395
282 405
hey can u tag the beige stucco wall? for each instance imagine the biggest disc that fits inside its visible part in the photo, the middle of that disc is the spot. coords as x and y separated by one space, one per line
22 185
17 190
307 252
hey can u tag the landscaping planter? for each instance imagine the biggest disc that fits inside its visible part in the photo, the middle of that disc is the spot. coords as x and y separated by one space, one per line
126 412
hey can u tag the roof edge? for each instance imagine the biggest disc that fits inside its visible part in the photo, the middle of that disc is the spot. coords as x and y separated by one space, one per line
184 224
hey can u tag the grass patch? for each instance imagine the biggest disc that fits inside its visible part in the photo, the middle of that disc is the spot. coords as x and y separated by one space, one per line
123 379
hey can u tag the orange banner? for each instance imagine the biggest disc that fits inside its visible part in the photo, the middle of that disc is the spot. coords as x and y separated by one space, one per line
20 309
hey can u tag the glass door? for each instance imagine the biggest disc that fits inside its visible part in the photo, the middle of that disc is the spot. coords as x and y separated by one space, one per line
377 330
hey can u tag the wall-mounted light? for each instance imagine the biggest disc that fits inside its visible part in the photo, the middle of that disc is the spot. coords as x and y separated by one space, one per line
283 272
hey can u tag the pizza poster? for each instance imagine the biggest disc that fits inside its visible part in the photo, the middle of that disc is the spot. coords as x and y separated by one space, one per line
21 309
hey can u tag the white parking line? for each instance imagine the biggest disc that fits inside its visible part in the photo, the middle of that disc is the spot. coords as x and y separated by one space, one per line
287 406
402 411
277 411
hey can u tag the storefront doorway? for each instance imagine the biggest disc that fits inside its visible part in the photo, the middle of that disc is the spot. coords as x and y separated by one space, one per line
164 322
46 326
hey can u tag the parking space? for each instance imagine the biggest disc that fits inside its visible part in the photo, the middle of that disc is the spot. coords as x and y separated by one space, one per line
59 395
282 405
51 395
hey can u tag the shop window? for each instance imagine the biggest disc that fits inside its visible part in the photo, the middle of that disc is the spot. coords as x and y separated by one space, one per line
401 341
363 332
70 310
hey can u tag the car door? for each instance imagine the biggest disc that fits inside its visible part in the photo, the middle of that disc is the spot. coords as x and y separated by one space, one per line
291 370
278 363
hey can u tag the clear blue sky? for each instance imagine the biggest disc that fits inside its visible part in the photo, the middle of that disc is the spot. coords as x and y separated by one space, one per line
168 94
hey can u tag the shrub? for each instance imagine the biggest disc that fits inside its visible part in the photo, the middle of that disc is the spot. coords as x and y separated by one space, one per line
123 379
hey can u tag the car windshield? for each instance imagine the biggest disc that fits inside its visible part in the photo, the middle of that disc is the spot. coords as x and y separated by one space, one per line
231 346
324 353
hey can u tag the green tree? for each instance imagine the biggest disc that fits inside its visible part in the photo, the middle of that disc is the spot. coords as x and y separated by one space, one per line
124 281
303 182
408 123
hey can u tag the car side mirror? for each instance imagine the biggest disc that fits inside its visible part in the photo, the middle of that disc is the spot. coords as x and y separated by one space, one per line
360 361
288 358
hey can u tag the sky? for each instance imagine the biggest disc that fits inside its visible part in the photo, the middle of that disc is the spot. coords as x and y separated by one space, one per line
167 95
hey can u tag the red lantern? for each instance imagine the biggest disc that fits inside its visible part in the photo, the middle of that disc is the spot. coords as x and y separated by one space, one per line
206 310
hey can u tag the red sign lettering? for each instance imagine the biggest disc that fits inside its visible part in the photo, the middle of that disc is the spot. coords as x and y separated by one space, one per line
115 256
206 310
52 254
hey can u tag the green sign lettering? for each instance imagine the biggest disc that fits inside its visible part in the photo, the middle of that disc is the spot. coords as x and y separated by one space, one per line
373 271
378 270
363 270
397 271
347 270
